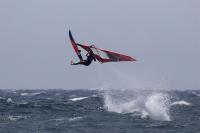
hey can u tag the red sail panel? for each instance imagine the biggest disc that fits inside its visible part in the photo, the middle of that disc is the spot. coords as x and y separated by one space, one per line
114 57
73 42
74 45
104 56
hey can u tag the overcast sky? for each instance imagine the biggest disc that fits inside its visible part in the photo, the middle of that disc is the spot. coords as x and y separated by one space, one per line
163 35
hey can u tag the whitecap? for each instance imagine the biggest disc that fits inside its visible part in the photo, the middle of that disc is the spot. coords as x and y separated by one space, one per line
144 114
9 100
195 93
75 118
36 93
24 94
32 94
23 103
16 118
95 95
77 99
181 103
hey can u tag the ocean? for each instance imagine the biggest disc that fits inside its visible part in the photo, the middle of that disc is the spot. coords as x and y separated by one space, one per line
99 111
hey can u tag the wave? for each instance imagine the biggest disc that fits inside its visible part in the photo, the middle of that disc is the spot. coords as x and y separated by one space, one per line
32 94
78 99
16 118
181 103
63 119
75 118
195 93
1 98
155 105
23 103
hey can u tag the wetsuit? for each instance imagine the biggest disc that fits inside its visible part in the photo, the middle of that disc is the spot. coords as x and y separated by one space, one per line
87 62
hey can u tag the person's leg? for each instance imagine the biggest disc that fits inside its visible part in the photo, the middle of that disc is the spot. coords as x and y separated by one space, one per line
78 63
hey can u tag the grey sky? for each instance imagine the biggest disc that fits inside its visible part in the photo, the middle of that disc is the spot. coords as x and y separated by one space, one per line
162 34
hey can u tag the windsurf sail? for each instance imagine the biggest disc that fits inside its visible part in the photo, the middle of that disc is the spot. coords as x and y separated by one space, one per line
104 56
101 55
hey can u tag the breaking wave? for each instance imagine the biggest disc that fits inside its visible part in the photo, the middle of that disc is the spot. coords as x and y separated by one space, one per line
195 93
75 118
154 105
77 99
69 119
9 100
32 94
181 103
16 118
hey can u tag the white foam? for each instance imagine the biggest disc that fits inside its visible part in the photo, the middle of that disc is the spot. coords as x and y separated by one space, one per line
154 105
16 118
9 100
77 99
157 106
36 93
195 93
113 105
61 119
181 103
24 94
23 103
144 114
75 118
32 94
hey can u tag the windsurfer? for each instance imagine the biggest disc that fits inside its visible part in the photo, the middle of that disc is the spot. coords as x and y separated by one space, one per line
90 57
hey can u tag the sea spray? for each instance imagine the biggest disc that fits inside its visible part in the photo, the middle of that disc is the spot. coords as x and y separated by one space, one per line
155 105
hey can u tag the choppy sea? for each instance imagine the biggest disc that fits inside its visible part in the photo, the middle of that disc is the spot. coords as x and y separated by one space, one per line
99 111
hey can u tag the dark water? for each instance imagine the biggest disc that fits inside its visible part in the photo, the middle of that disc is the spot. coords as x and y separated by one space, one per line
98 111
